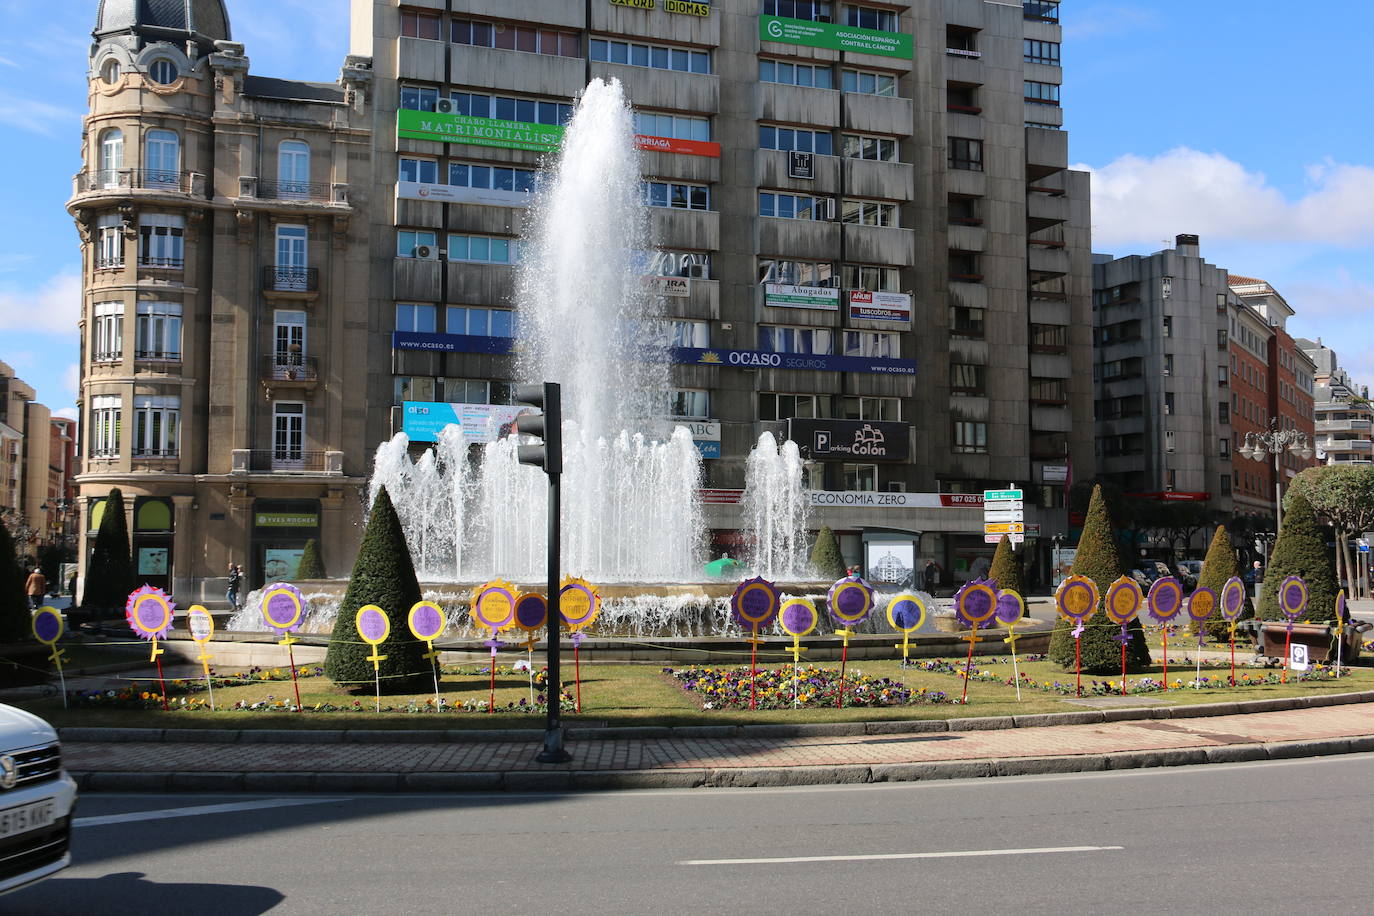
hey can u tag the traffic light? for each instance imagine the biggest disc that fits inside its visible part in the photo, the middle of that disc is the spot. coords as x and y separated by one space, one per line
548 426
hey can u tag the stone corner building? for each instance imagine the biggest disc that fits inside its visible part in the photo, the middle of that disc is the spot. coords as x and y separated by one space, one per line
224 282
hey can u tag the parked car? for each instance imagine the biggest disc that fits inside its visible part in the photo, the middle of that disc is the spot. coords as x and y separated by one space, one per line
37 799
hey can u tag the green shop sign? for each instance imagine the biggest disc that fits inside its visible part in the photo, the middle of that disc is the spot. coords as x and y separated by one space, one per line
286 520
452 128
834 37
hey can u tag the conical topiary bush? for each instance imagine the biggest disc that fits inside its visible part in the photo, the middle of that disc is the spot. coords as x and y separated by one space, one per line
1099 560
1300 551
383 575
310 566
1006 568
1219 566
826 557
110 575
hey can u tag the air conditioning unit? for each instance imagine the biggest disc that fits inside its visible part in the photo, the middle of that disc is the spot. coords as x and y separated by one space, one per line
426 253
444 106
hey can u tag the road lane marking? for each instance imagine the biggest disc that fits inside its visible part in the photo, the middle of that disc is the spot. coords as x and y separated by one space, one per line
1045 850
198 810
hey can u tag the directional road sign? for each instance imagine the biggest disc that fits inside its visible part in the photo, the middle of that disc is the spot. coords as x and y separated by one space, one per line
1003 528
997 538
990 495
1005 515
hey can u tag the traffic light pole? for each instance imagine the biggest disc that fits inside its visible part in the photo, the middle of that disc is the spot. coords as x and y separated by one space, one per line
553 751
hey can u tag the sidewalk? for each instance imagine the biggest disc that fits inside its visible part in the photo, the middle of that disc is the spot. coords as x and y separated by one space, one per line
761 755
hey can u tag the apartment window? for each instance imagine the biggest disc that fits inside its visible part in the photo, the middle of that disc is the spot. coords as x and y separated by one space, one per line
966 154
107 332
160 240
967 379
162 71
288 339
791 138
797 273
873 279
777 339
858 146
419 98
869 408
491 177
679 127
293 169
864 17
510 108
682 332
105 423
291 270
1169 440
109 251
156 423
1221 338
1224 448
963 265
1168 402
859 476
515 38
965 321
1042 93
963 210
110 72
970 437
1168 364
689 403
1226 484
1049 390
479 322
420 25
161 159
1223 376
877 344
962 98
414 388
790 74
1045 10
676 195
1167 328
1049 338
657 57
793 206
869 82
774 406
481 249
810 10
465 391
111 158
409 243
425 171
868 213
288 432
1040 52
415 318
1223 412
157 332
687 264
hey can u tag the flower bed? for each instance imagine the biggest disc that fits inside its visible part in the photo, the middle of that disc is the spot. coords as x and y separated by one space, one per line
729 688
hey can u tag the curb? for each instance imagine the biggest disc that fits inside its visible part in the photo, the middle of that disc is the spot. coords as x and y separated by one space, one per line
81 734
554 781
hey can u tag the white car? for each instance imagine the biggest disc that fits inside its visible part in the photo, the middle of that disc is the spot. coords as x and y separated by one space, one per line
37 799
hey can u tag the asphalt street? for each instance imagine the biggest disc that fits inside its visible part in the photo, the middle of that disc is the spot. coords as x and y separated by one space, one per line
1263 837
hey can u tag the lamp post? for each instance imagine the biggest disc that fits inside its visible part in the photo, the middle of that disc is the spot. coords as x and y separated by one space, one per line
1259 446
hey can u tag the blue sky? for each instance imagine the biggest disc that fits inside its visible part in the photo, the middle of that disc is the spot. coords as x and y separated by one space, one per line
1247 124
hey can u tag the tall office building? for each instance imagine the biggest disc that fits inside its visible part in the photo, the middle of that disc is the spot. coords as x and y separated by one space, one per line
1343 413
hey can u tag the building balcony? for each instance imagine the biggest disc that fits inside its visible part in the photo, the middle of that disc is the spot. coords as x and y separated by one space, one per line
1326 426
286 461
293 192
123 182
283 282
289 374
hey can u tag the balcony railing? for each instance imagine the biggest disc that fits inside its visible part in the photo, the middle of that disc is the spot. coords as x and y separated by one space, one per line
292 190
157 356
141 179
291 367
278 278
155 453
287 459
162 263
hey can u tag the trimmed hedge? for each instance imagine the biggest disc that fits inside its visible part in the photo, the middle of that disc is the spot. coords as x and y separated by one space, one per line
1006 568
311 566
110 577
826 557
1300 551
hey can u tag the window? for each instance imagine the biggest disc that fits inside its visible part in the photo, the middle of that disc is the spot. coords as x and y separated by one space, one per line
859 476
465 391
415 24
687 264
679 127
1225 484
515 38
676 195
410 241
425 171
797 273
107 332
161 159
482 249
156 421
963 265
109 251
682 332
1042 94
417 318
419 98
870 408
796 340
790 74
873 279
1040 52
1049 338
784 406
157 334
1223 376
162 71
111 158
879 149
868 213
415 388
110 72
689 402
292 269
658 57
288 339
1223 412
966 154
288 434
878 344
970 437
1047 10
1168 364
967 379
479 322
1168 326
1168 402
810 10
1221 338
509 108
791 138
1049 390
794 206
868 82
866 18
105 422
965 321
160 240
1224 448
293 170
496 178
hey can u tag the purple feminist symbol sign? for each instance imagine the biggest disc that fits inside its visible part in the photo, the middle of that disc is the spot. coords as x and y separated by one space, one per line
531 612
152 614
427 619
907 614
47 627
798 618
1009 608
373 625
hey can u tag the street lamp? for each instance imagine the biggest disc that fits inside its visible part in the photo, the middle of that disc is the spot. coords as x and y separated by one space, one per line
1259 446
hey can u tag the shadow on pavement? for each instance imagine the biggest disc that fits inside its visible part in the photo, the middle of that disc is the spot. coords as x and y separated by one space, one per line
131 893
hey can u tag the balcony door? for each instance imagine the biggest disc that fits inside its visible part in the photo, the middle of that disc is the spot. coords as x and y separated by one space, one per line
291 258
288 435
162 159
293 170
288 343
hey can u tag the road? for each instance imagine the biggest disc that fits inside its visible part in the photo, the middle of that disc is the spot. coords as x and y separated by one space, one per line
1263 837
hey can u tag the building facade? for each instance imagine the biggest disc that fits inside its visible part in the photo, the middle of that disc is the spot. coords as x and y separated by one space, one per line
37 464
1343 414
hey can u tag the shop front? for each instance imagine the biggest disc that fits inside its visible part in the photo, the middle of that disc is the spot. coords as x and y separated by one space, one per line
281 528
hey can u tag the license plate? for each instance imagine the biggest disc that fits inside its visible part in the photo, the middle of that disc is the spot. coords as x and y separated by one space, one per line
26 817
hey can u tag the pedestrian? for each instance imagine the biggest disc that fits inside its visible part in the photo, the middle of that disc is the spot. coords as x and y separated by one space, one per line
931 575
36 587
231 594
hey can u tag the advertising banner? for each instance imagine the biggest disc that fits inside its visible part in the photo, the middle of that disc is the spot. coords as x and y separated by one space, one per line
879 306
706 148
758 359
850 440
423 421
783 295
449 194
677 287
450 343
834 37
454 128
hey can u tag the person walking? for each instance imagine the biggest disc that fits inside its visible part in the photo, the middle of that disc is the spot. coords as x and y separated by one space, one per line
232 592
36 587
931 574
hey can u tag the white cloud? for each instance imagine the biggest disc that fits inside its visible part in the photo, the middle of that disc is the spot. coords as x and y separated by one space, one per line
1138 199
1340 295
71 413
72 379
37 116
52 309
